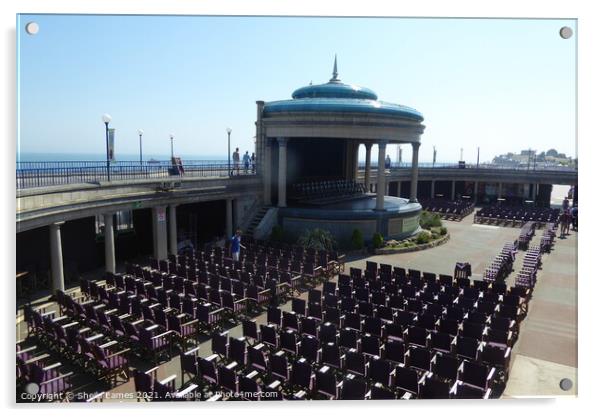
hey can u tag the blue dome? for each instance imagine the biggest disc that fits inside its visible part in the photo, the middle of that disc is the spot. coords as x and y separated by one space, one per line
334 89
335 96
345 105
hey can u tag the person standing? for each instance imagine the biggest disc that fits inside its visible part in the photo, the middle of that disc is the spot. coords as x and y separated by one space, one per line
246 159
574 216
235 245
253 162
236 159
388 162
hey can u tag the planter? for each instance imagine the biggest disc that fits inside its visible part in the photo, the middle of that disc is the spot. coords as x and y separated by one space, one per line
388 251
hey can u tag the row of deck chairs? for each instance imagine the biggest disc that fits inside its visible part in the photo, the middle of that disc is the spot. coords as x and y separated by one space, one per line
327 191
547 239
527 276
527 232
449 210
501 266
516 216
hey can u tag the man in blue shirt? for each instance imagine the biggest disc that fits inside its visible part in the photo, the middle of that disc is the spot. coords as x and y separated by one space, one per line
236 245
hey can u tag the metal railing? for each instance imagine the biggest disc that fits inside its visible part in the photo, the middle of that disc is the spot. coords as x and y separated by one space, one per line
51 173
450 165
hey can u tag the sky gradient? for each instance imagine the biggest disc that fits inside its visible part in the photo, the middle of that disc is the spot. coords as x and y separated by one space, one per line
501 84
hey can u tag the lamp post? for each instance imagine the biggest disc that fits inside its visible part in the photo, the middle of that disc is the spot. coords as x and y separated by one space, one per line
106 118
171 136
229 130
140 133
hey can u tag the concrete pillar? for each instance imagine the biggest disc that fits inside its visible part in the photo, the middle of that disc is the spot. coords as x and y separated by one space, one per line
367 167
109 243
499 190
173 230
229 231
453 191
56 257
414 187
399 184
282 171
267 173
476 191
433 189
159 233
380 187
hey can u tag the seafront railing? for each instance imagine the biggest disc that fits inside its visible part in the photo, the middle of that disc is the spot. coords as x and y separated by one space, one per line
522 168
51 173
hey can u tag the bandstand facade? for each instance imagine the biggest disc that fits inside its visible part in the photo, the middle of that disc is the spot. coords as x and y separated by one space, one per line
316 136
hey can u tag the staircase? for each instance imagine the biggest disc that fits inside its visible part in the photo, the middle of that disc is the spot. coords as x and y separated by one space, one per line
256 219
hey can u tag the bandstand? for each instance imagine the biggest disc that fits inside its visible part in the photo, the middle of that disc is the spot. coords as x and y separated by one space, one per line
307 150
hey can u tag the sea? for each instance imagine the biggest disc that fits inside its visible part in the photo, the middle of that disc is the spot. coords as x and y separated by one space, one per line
53 157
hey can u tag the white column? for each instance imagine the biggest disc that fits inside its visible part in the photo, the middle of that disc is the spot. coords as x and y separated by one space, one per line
367 167
414 187
380 187
453 193
499 190
267 173
282 171
109 243
476 191
433 189
159 233
229 231
56 257
173 230
399 184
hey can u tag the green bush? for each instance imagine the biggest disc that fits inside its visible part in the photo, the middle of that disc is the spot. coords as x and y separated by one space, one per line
423 237
317 239
428 220
277 234
357 240
443 231
377 240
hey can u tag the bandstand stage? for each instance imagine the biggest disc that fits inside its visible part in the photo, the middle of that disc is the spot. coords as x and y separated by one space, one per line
308 154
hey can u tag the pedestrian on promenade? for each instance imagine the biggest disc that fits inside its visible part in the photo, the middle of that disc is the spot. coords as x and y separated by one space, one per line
246 159
236 159
253 162
574 216
388 162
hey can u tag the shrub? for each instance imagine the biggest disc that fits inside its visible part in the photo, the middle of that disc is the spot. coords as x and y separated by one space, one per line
443 231
377 240
428 220
277 234
317 239
423 237
357 240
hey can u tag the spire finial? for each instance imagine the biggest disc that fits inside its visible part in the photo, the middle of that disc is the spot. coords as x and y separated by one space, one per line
335 74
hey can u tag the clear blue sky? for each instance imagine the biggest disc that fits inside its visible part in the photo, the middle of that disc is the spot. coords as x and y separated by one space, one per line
503 85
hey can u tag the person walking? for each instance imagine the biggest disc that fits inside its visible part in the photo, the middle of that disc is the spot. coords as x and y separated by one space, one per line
574 216
235 245
246 159
253 162
236 159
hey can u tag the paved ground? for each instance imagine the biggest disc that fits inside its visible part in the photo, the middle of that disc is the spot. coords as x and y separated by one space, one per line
546 350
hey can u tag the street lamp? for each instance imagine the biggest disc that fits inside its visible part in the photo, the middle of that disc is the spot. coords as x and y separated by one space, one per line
106 118
171 136
140 133
229 130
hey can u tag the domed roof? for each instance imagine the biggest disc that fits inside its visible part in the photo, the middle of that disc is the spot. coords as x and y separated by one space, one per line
334 89
336 96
